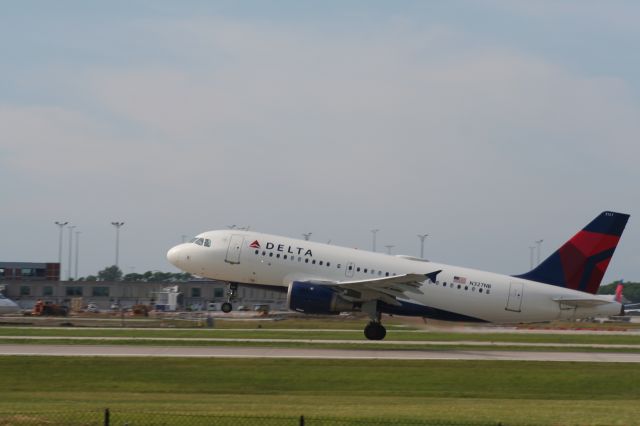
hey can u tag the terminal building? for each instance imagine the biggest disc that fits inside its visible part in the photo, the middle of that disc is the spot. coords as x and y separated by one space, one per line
26 283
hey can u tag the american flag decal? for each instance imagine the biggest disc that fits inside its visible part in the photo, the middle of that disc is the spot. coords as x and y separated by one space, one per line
459 280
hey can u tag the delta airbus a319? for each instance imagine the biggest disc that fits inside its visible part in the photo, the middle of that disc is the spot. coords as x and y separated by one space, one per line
326 279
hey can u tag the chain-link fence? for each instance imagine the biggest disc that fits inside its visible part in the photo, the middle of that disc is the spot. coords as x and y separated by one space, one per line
127 418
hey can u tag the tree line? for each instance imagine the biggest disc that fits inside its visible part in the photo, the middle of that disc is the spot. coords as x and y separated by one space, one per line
113 273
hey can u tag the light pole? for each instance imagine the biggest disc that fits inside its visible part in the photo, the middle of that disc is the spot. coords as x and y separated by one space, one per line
374 232
531 248
71 228
422 238
118 225
389 247
307 236
538 242
60 225
75 274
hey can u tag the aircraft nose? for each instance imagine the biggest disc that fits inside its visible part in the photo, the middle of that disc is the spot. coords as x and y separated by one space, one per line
173 256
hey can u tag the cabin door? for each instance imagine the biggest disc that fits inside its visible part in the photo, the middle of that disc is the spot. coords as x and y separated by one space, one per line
514 302
235 246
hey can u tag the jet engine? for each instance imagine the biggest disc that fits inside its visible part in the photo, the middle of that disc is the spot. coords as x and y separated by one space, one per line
313 298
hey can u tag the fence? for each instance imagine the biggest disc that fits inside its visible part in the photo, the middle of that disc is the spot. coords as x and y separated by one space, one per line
117 418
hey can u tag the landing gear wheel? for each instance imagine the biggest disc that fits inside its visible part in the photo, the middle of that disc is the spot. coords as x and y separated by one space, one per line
226 307
375 331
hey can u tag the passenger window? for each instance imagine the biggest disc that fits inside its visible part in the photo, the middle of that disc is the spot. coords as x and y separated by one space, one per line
306 261
320 263
339 266
278 255
313 261
365 270
270 254
358 269
285 256
387 274
351 267
328 264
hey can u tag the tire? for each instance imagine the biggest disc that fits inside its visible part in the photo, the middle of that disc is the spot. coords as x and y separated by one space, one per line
226 307
375 331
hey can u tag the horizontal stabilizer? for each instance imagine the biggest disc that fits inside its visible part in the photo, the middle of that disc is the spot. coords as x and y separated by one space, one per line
581 302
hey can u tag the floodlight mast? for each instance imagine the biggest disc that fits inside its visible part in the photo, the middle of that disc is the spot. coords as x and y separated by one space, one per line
61 225
118 225
422 238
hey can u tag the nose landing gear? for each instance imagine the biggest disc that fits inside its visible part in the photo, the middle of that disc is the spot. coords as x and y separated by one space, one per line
232 289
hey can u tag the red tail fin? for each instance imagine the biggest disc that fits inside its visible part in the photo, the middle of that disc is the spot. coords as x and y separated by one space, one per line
582 261
619 288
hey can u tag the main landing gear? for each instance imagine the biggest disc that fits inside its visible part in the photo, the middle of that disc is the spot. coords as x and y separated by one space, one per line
232 289
374 330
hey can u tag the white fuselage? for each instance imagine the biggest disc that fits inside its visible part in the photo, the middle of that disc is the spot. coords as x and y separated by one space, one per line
262 259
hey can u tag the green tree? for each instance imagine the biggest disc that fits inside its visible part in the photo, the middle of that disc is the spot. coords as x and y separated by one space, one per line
133 277
110 273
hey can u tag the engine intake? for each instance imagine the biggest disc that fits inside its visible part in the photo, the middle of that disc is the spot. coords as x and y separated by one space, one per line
312 298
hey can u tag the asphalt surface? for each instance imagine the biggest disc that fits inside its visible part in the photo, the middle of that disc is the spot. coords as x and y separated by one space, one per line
327 341
248 352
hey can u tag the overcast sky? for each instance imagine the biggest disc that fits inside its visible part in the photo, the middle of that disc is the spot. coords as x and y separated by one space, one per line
487 124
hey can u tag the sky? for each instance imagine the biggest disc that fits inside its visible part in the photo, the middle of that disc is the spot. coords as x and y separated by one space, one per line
487 124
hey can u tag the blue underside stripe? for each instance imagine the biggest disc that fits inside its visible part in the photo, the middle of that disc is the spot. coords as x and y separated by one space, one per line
415 310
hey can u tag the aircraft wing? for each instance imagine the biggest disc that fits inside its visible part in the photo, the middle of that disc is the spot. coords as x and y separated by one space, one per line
582 301
386 289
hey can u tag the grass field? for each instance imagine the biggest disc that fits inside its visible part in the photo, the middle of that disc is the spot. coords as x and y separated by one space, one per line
517 393
509 392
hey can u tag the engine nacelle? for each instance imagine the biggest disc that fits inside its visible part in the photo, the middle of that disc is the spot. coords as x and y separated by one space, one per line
312 298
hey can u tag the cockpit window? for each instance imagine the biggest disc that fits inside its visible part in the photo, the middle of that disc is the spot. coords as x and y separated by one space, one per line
193 240
207 243
199 241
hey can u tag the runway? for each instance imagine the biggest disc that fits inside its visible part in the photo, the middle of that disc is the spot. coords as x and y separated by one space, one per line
299 353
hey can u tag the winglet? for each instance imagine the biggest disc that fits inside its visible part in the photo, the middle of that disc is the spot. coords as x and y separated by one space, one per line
433 275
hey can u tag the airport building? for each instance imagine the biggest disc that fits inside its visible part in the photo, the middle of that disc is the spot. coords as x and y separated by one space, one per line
193 295
29 271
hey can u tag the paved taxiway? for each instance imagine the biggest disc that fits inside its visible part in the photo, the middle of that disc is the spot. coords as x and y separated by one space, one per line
329 342
248 352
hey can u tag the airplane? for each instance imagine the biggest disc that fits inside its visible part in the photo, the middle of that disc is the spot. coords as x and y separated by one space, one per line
628 308
7 306
327 279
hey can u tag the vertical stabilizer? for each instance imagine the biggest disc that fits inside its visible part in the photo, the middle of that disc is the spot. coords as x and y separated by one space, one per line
582 261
